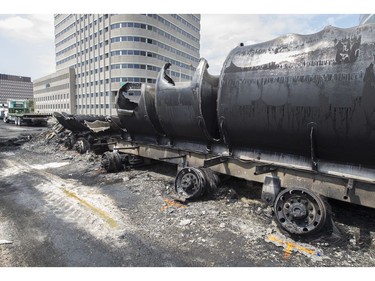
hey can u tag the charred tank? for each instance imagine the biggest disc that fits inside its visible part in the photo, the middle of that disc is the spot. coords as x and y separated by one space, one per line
139 117
187 110
310 95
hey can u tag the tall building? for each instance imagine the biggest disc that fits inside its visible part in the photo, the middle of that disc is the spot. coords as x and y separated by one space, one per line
108 50
15 87
366 18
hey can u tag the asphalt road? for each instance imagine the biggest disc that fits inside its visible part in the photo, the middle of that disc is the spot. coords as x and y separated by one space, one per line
10 130
61 209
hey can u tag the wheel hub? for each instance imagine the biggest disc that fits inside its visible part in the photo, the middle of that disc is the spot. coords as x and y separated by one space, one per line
299 211
190 183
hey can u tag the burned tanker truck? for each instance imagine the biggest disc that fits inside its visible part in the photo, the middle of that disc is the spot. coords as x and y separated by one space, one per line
296 114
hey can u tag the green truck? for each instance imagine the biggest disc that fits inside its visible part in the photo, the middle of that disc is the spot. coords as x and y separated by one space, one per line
22 112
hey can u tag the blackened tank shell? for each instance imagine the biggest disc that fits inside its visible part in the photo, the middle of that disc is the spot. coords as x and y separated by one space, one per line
187 110
271 94
76 123
139 117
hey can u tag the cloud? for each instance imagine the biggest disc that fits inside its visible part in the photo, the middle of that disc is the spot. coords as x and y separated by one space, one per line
27 27
27 44
16 24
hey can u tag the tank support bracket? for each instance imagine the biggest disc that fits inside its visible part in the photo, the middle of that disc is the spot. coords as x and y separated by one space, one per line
314 163
215 161
349 186
264 169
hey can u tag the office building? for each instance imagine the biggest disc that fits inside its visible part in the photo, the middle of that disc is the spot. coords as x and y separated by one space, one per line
56 92
15 87
106 51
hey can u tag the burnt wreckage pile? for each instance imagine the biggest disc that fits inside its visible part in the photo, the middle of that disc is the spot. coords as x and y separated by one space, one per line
296 113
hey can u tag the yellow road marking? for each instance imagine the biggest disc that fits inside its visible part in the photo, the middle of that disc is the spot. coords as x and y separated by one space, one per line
101 213
290 246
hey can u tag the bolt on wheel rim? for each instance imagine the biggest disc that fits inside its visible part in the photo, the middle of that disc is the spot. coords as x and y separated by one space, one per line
300 211
190 183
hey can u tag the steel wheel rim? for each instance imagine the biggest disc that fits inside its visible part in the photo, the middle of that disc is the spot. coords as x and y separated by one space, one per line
300 211
189 183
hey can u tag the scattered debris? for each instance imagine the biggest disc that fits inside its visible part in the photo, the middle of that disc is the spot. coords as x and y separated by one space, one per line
171 203
222 223
185 222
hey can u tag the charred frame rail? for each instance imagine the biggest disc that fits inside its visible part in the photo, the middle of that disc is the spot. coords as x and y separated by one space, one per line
299 208
341 182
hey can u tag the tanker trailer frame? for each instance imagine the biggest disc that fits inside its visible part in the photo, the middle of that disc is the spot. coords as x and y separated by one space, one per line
289 182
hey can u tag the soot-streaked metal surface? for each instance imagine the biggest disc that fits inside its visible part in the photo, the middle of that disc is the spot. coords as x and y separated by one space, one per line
299 91
139 117
77 123
187 110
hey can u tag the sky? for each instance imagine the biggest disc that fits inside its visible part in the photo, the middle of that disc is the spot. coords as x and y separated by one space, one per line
27 39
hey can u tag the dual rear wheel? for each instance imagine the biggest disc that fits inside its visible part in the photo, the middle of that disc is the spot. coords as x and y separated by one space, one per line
192 183
18 121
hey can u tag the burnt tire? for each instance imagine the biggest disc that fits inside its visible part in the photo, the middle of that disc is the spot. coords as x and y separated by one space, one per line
111 162
82 146
190 183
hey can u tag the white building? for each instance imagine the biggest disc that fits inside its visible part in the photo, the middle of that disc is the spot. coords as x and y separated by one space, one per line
56 92
108 50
